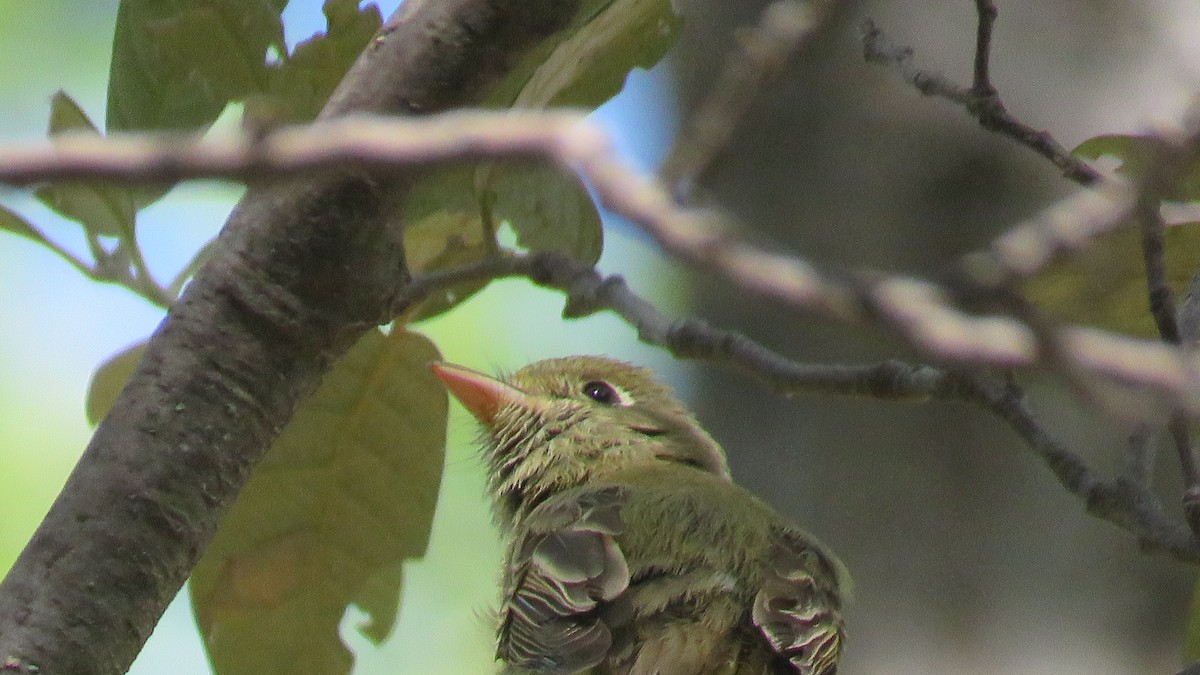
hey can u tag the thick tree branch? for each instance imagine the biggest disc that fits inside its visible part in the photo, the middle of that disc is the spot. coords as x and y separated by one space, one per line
251 335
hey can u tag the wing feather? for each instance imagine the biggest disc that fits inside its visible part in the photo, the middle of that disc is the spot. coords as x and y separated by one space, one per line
566 563
798 608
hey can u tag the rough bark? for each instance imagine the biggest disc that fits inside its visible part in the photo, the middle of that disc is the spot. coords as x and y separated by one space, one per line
302 269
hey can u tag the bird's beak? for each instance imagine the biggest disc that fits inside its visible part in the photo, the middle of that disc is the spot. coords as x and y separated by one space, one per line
480 394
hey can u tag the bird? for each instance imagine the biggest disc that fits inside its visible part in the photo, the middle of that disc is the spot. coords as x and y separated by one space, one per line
629 548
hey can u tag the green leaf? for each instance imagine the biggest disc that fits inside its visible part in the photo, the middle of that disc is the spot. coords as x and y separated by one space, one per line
66 115
547 208
104 209
1136 152
583 65
445 226
299 87
13 222
346 493
586 64
109 379
176 64
451 216
1104 285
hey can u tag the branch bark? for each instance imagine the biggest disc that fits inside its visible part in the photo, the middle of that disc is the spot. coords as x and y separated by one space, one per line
251 335
925 314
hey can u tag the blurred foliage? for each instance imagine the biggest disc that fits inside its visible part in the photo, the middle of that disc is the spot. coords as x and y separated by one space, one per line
1135 153
1113 293
1104 285
582 65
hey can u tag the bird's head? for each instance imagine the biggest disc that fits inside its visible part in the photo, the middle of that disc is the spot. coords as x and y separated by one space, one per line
562 422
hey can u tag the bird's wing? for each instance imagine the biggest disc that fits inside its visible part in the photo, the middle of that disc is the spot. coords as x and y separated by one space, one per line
797 609
565 563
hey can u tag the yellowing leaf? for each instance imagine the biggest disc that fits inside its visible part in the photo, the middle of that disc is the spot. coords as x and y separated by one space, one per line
1104 285
343 497
109 379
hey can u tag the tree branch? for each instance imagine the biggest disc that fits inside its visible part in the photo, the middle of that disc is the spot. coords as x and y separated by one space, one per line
1023 251
1013 258
250 336
1171 159
922 313
381 145
1126 501
980 99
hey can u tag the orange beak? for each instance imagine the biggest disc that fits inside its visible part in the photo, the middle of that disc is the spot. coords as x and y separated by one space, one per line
480 394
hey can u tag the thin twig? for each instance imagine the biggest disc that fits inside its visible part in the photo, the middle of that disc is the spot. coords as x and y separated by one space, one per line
917 310
782 28
102 271
1052 347
71 259
1010 258
981 99
588 292
1162 307
1064 228
982 85
1124 501
1170 160
139 278
1120 501
352 142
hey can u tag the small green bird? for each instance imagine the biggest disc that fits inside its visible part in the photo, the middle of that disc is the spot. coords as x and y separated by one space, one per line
631 550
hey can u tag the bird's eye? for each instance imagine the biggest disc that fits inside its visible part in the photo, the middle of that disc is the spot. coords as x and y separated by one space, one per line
601 392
